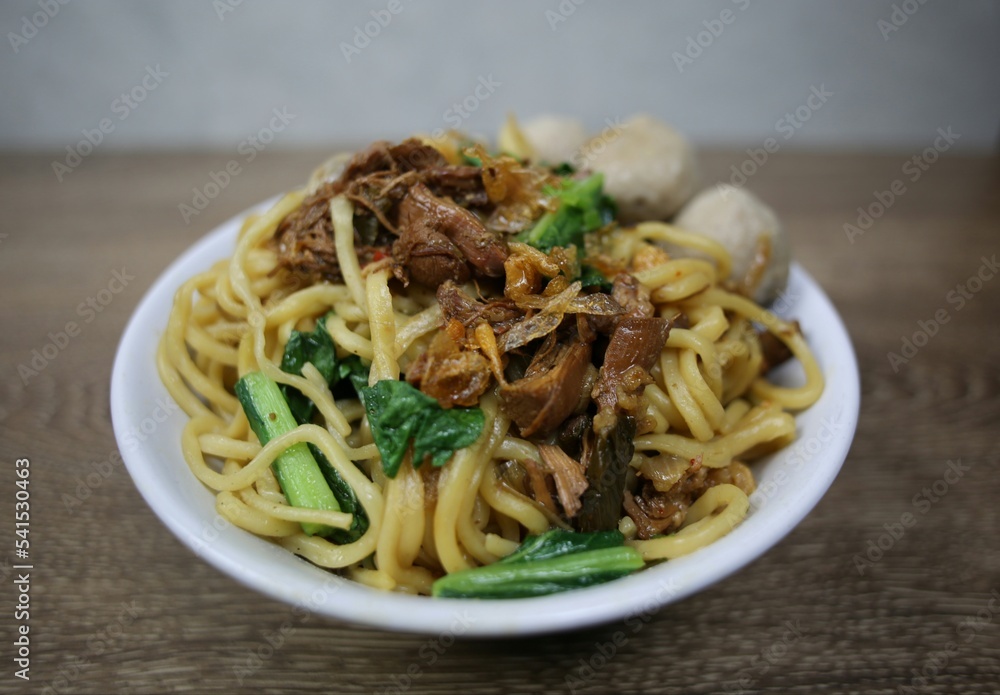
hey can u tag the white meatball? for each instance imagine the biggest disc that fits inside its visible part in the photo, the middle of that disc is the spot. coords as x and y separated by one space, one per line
555 139
751 233
649 168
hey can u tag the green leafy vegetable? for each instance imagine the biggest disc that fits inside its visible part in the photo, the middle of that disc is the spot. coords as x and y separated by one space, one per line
355 372
592 277
398 413
558 542
552 562
465 148
583 208
318 348
296 469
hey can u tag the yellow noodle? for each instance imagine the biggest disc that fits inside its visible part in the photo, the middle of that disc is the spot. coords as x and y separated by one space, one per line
729 505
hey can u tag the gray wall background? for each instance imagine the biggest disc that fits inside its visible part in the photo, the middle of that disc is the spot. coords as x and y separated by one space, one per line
228 64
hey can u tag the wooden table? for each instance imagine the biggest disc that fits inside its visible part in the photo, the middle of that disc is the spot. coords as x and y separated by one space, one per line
119 605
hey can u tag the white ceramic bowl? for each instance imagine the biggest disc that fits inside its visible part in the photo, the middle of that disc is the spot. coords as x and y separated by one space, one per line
148 426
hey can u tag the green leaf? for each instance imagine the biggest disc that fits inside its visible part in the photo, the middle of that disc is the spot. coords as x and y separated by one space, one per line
557 542
398 413
552 562
468 158
445 431
355 372
592 277
318 348
583 208
345 497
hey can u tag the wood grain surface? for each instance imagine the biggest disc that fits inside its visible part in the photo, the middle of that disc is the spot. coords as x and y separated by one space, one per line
118 605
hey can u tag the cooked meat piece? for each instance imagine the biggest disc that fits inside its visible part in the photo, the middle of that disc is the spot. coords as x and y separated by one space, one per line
449 374
409 155
422 215
456 304
463 184
550 389
635 345
414 155
568 476
375 157
607 469
633 297
573 433
376 181
428 257
774 351
657 513
539 487
305 237
483 249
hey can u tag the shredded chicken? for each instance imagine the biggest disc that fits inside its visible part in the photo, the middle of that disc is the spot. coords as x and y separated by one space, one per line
569 476
539 488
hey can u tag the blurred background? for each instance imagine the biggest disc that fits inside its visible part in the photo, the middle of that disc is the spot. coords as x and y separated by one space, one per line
212 73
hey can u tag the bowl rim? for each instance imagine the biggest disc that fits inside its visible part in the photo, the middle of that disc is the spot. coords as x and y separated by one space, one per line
309 588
